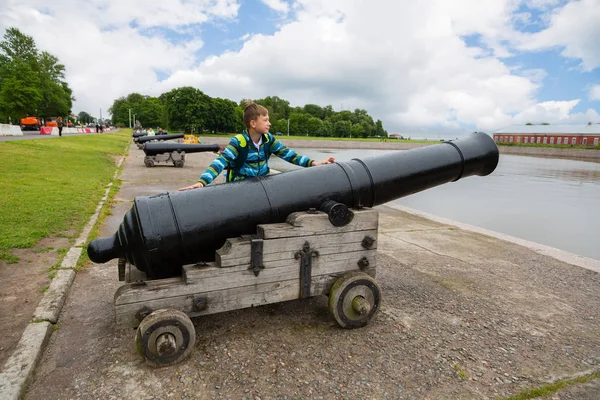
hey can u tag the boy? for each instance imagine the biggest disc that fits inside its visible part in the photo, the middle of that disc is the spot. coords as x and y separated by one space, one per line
247 154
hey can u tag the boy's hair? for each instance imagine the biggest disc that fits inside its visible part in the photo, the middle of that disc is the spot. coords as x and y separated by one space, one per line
253 111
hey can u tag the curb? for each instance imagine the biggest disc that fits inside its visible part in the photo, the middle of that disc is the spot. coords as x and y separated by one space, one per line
19 367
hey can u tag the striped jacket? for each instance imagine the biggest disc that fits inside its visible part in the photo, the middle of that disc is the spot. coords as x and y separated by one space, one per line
257 160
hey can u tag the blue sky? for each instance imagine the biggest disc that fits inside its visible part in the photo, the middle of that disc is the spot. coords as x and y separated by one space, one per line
420 67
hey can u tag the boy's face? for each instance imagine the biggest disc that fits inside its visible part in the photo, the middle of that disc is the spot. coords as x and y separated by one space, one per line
261 124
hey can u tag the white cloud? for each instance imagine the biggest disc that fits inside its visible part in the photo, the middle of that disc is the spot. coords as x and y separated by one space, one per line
105 57
407 65
575 29
406 62
595 92
278 5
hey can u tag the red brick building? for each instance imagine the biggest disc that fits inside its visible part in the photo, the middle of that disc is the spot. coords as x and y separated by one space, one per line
576 135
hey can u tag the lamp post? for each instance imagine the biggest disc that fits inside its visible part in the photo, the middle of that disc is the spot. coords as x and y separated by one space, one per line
288 127
129 117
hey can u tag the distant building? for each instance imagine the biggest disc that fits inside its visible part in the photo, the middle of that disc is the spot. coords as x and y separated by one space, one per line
580 135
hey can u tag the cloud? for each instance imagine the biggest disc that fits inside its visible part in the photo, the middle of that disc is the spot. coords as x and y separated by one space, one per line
573 28
595 93
408 71
406 62
105 46
555 112
277 5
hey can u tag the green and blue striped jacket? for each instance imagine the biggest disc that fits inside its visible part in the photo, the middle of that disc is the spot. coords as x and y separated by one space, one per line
256 162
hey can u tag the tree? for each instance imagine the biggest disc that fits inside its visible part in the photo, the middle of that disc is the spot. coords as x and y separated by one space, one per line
298 123
357 131
56 94
19 94
120 112
278 108
85 118
150 112
31 83
379 129
221 115
313 126
187 109
19 82
279 126
314 110
342 128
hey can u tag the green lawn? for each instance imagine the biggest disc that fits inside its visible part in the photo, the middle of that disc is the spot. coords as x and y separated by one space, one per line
51 186
285 137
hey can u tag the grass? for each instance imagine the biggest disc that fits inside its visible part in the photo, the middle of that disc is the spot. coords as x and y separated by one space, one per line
461 373
105 212
292 137
51 186
551 388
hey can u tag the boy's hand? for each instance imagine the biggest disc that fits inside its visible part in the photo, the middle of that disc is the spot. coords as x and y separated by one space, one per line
194 186
330 160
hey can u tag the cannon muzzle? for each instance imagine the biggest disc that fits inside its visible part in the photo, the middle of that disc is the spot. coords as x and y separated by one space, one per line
161 233
152 149
144 139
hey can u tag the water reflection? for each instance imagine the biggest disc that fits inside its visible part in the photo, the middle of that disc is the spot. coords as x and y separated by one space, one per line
550 201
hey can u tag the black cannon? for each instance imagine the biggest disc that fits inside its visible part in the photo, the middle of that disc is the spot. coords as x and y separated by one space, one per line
144 139
139 133
162 233
173 152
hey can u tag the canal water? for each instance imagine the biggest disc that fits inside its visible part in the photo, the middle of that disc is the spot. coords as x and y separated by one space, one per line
555 202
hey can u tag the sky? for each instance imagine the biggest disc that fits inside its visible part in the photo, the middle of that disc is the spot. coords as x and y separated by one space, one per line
422 67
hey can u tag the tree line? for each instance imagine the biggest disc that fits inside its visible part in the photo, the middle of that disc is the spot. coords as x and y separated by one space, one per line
31 82
190 110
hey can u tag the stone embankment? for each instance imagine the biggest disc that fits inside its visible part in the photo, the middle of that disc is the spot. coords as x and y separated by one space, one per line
573 154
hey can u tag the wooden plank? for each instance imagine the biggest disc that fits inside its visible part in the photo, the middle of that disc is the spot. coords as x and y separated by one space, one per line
224 300
209 278
237 251
303 224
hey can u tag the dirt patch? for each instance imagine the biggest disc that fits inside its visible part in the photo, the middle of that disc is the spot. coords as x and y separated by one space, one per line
21 287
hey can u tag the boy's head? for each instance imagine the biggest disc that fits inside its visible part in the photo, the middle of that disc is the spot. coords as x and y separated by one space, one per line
256 117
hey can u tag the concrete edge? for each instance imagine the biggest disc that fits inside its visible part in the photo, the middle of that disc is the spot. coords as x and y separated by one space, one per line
51 303
561 255
19 367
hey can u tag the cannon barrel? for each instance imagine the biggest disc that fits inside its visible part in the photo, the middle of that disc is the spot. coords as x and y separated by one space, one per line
152 149
163 232
139 134
144 139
